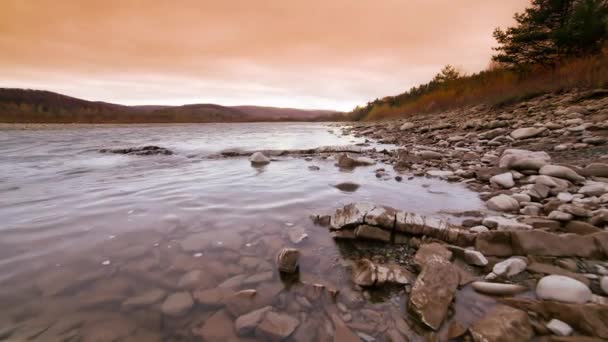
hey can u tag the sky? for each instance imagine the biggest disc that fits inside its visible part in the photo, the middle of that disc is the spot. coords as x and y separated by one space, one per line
324 54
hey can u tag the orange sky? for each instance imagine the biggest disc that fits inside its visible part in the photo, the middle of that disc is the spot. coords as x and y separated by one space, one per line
308 54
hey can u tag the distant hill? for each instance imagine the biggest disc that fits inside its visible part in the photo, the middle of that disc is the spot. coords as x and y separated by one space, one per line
39 106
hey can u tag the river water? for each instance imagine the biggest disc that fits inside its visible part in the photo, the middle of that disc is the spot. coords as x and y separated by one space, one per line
84 235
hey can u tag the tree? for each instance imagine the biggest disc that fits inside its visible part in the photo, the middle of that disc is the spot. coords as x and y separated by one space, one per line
447 74
551 30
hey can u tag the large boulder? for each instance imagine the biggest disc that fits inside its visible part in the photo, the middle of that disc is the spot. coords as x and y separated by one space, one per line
434 289
563 289
516 159
502 324
527 132
562 172
365 231
351 215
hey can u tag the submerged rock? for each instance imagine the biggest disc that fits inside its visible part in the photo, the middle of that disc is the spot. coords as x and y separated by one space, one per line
177 304
276 326
139 151
347 186
288 260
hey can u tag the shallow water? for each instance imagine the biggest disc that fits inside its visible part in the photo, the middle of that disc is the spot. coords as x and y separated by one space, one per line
81 231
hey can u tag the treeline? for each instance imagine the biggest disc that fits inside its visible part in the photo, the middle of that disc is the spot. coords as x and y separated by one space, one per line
555 45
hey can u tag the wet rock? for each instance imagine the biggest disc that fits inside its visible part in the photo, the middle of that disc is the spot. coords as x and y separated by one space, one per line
190 280
434 289
527 132
177 304
562 289
276 326
517 159
559 328
347 186
139 151
498 289
588 319
503 203
348 162
504 180
246 324
373 233
288 260
145 299
212 297
502 324
604 284
368 274
562 172
258 158
314 168
297 235
381 216
351 215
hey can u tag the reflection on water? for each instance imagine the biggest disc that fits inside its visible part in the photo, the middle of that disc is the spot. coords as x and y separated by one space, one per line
99 247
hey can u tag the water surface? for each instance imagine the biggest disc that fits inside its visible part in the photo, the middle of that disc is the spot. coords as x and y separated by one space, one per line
81 231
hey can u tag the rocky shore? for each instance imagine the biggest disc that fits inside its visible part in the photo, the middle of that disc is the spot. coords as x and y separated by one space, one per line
541 247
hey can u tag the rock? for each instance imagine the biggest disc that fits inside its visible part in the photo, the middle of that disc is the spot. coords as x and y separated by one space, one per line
430 252
559 328
596 170
479 229
510 267
527 132
364 273
565 197
503 203
502 324
574 210
522 197
560 216
433 291
494 243
407 126
538 192
351 215
516 159
474 258
287 260
190 280
562 172
177 304
147 298
258 158
246 324
562 289
503 223
218 328
504 180
276 326
297 235
537 242
604 284
440 173
348 162
593 189
381 216
429 155
139 151
314 168
538 267
347 186
498 289
581 228
373 233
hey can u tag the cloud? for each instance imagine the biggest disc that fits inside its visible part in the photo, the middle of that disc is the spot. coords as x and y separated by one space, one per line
335 53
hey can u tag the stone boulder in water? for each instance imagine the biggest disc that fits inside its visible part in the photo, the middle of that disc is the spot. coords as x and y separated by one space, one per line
259 158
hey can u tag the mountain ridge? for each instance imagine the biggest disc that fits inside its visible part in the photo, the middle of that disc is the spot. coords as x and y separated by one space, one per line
19 105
